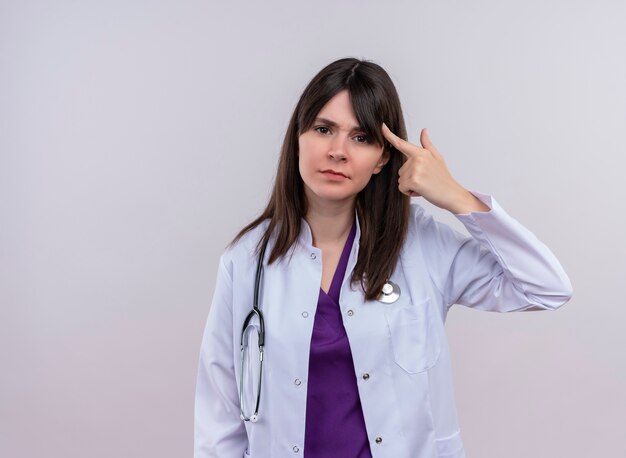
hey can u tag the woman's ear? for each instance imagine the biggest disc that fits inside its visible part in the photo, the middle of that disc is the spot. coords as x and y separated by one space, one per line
384 158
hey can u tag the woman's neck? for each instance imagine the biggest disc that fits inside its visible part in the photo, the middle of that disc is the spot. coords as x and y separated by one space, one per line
330 223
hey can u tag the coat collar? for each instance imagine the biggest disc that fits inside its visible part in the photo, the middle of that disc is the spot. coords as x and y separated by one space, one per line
305 239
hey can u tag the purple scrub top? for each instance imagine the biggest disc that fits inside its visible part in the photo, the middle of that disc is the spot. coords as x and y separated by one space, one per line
334 418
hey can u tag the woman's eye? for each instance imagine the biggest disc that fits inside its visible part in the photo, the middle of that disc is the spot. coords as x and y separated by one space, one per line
322 129
362 138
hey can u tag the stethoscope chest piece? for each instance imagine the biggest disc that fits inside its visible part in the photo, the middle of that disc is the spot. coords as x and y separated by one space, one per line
390 293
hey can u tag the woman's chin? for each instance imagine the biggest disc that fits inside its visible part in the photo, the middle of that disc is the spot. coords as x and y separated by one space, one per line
331 197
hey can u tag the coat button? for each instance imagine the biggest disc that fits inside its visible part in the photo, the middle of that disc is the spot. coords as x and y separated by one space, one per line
366 376
297 381
379 440
350 313
313 256
296 449
305 314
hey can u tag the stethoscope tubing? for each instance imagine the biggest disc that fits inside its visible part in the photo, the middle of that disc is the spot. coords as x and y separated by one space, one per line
261 340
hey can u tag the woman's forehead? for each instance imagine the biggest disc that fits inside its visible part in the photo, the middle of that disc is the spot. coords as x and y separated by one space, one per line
338 112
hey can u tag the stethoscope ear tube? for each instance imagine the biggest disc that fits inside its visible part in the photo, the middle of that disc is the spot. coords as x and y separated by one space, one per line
255 416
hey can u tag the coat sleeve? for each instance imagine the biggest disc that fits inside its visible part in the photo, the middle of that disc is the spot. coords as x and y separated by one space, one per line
218 429
501 267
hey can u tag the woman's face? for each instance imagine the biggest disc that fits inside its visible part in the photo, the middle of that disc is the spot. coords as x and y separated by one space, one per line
336 158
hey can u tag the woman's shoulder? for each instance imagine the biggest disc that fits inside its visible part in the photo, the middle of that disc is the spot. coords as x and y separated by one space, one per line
246 245
418 217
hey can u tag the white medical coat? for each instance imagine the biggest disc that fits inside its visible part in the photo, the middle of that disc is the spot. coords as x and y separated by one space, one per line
407 397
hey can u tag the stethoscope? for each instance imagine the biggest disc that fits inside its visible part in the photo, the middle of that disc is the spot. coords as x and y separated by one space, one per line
389 294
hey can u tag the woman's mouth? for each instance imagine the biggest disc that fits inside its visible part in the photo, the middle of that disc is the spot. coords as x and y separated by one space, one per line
334 175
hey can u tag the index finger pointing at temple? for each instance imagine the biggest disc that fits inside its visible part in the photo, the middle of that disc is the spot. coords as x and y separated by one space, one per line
406 148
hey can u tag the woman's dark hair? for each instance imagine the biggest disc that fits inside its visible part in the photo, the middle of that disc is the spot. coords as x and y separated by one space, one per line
383 211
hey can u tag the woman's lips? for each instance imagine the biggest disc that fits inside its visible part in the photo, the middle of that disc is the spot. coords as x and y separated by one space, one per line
337 176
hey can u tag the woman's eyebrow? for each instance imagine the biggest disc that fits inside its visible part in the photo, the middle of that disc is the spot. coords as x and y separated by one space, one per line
334 124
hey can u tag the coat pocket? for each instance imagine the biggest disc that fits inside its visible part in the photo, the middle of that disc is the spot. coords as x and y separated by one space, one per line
414 336
450 447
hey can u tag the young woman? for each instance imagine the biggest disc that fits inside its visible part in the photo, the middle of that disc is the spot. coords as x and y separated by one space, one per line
354 289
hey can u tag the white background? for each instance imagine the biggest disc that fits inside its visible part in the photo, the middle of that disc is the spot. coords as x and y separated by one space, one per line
137 137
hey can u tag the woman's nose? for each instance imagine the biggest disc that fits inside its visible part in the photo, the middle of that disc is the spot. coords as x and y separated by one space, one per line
337 149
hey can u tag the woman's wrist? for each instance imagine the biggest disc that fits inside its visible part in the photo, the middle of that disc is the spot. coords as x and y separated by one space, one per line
466 202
